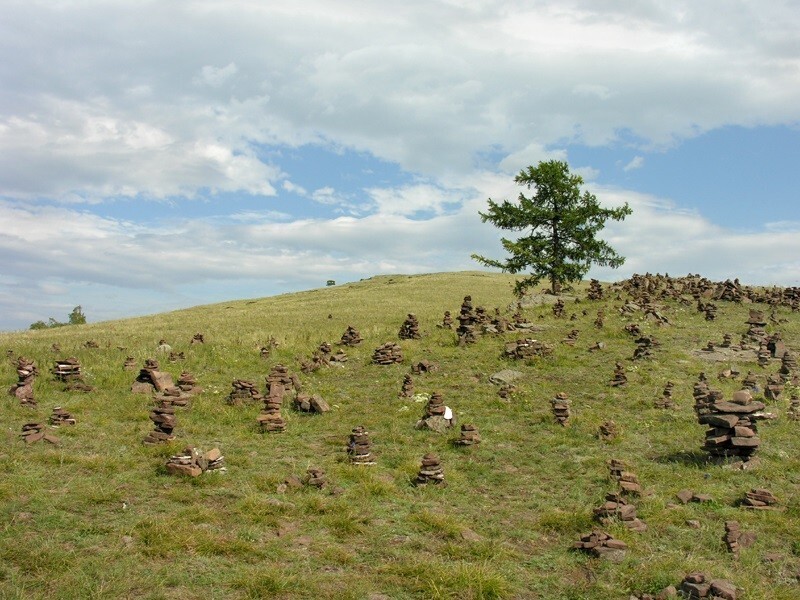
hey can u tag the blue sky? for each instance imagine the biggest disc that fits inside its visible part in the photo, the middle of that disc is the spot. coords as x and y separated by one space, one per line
161 155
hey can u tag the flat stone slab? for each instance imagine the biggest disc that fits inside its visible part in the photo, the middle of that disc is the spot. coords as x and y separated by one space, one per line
505 376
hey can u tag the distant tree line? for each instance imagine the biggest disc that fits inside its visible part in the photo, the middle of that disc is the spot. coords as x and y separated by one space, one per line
76 317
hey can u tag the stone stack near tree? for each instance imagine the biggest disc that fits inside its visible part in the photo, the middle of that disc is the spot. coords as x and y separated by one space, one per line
68 371
387 354
23 389
467 323
61 416
270 419
666 400
733 431
36 432
194 462
409 330
351 337
560 406
430 471
244 391
559 309
407 391
469 436
359 447
595 290
619 378
164 420
617 507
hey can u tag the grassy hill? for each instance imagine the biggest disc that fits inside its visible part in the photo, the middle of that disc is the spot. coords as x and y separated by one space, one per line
98 517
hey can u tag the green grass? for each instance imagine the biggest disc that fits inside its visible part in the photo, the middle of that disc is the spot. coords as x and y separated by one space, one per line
98 517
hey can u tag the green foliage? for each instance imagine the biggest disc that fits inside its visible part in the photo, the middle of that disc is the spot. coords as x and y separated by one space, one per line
563 222
76 317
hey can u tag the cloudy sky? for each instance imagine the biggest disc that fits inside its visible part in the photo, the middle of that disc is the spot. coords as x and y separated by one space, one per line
157 155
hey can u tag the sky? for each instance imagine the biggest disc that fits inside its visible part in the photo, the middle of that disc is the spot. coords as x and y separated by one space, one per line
165 154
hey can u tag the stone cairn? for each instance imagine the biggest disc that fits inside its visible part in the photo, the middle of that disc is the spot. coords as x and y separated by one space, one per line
23 389
467 322
759 499
571 338
194 462
60 416
794 407
164 421
129 364
311 404
176 356
727 340
618 379
68 371
437 416
315 477
270 419
280 374
506 391
788 369
36 432
750 382
595 290
409 330
733 426
187 383
407 391
559 309
359 447
601 319
763 355
447 320
776 346
469 436
666 400
735 539
243 392
627 480
151 378
709 309
756 323
617 507
633 329
320 358
424 366
198 338
91 344
387 354
351 337
526 348
608 430
697 586
773 387
560 406
430 471
644 348
600 544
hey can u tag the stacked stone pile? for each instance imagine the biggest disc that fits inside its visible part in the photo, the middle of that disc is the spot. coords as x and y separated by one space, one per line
617 507
467 323
164 421
794 407
506 391
151 378
788 368
608 430
447 320
36 432
129 364
499 324
23 389
315 477
600 544
627 480
600 320
756 323
697 586
735 539
710 310
270 419
619 378
91 344
763 356
595 290
187 383
527 348
61 416
407 391
359 447
759 499
194 462
409 330
633 329
773 387
750 382
559 309
560 406
387 354
280 374
176 356
776 346
198 338
727 340
571 338
424 366
469 436
312 404
644 348
666 400
351 337
437 417
243 391
430 471
733 429
68 371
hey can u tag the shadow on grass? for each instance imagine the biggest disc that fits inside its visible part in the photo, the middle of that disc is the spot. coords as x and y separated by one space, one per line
689 458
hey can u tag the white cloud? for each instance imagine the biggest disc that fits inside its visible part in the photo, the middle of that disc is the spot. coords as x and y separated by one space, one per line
216 76
637 162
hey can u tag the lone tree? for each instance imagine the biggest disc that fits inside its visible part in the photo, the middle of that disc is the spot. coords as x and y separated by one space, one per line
562 223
